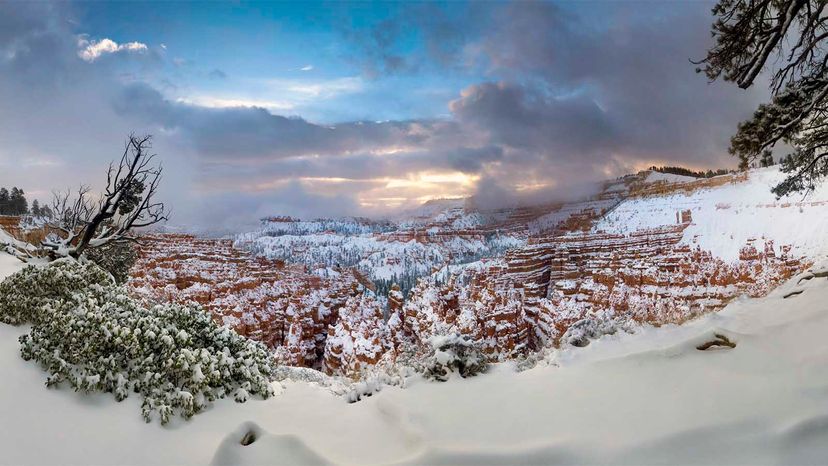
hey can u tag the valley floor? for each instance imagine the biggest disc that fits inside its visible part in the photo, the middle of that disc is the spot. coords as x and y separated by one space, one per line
644 398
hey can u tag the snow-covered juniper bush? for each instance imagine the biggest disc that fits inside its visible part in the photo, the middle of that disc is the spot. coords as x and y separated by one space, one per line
454 353
24 295
98 338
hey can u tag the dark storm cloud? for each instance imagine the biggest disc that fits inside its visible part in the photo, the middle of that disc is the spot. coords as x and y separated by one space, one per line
471 159
633 62
36 48
583 96
50 98
609 81
254 133
523 118
18 24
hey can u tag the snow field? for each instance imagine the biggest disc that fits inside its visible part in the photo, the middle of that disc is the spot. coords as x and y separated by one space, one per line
726 217
644 398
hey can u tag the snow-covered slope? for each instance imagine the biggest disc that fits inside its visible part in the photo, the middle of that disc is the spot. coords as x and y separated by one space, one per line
8 264
9 241
654 177
431 211
725 217
646 398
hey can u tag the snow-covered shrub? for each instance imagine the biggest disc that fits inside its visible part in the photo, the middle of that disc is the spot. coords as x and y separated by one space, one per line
24 295
454 353
581 332
542 357
303 374
115 258
174 355
362 389
373 382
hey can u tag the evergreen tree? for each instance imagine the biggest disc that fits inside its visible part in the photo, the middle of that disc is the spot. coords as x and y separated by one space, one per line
17 202
14 202
115 258
5 208
14 196
22 205
36 208
46 212
789 39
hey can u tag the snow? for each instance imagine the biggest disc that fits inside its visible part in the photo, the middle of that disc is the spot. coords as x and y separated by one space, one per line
8 263
655 176
8 240
726 217
549 221
378 258
430 211
642 398
349 226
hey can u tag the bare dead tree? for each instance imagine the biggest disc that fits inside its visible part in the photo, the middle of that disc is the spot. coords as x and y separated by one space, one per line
79 223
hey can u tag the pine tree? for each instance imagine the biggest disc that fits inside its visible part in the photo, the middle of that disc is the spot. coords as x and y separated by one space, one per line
5 207
46 212
788 38
22 204
14 195
16 204
36 208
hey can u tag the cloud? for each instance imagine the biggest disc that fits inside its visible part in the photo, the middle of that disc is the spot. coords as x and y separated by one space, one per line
612 80
635 67
523 118
232 211
316 89
441 32
216 74
92 50
59 126
252 133
306 68
219 102
277 95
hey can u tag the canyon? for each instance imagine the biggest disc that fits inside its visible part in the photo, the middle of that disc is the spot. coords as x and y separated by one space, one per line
636 254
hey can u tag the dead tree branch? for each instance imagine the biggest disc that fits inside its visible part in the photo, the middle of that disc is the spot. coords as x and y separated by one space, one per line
720 340
128 203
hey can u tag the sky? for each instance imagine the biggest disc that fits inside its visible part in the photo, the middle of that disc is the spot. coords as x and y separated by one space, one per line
332 109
